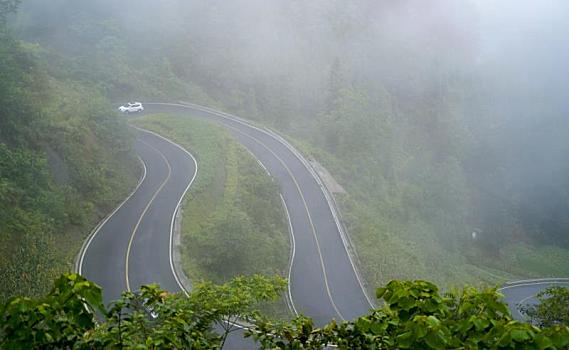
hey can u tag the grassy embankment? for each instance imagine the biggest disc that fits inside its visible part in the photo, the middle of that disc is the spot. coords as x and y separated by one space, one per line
233 220
392 247
65 162
60 173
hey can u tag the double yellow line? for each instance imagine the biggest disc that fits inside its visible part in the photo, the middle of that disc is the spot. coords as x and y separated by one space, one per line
263 145
313 229
135 230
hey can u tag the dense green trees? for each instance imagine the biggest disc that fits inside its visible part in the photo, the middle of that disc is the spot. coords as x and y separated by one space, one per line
72 316
416 316
413 316
64 161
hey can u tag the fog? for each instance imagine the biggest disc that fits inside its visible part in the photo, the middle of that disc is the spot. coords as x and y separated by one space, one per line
523 60
447 116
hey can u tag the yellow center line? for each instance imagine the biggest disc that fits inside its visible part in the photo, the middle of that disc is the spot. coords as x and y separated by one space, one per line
307 212
133 234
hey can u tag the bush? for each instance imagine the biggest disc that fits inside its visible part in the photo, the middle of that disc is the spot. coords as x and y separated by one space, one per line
552 308
414 316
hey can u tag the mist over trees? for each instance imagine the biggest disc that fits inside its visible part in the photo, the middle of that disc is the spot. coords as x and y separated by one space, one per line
64 161
439 118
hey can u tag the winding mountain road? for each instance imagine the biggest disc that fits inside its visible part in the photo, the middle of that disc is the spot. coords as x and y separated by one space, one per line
524 292
324 282
133 246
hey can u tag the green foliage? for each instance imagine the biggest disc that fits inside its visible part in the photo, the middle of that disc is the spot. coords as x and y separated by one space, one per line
551 309
150 319
58 320
23 88
154 319
65 160
416 316
414 122
235 301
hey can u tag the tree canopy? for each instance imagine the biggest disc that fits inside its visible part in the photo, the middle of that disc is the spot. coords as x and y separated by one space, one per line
414 315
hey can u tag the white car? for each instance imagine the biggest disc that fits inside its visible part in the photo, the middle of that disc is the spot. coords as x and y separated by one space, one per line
131 107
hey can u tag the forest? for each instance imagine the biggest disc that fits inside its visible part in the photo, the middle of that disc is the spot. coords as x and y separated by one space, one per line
65 161
447 133
445 123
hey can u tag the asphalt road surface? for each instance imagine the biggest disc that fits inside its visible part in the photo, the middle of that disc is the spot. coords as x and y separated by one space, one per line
524 292
323 280
133 246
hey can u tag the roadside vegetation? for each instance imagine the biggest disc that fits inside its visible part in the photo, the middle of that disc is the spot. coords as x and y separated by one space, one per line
395 234
65 161
414 315
233 219
551 309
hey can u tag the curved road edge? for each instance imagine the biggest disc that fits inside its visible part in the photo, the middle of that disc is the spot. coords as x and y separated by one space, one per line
346 241
333 205
78 265
176 270
524 292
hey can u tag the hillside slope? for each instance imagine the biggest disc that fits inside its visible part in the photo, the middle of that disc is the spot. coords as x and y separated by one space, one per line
65 161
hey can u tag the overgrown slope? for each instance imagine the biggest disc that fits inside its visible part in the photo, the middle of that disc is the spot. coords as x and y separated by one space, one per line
65 161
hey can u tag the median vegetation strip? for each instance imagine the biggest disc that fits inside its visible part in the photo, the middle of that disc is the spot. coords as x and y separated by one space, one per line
233 220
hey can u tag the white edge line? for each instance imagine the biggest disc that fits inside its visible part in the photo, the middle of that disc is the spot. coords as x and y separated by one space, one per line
322 264
87 244
258 161
331 206
534 295
537 280
300 158
143 214
141 180
292 254
176 210
530 282
291 305
293 245
537 283
523 301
